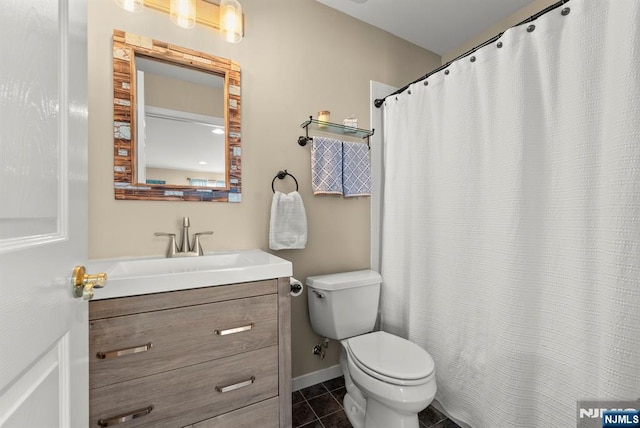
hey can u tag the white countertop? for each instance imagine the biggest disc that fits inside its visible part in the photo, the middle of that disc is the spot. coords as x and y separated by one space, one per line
146 275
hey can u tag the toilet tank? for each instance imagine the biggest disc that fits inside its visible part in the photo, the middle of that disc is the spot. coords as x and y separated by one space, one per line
343 305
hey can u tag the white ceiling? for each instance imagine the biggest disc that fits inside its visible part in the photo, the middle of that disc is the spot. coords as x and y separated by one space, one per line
183 141
182 144
436 25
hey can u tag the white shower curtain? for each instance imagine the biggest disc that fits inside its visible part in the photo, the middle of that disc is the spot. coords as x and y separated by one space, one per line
511 219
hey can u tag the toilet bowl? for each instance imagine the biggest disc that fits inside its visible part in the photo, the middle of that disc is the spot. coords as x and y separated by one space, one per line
395 376
389 380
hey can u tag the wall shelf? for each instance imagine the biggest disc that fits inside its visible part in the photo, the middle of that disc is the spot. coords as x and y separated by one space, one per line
333 128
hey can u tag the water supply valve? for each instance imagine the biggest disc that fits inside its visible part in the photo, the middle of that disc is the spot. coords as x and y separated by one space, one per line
318 349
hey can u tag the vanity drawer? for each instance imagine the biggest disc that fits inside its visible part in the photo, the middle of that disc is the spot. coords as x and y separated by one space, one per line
263 414
191 394
133 346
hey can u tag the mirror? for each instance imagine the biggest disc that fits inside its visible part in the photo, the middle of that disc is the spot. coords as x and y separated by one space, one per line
180 133
176 122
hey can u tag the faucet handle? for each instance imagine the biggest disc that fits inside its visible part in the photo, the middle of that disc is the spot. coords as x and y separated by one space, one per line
196 242
173 247
165 234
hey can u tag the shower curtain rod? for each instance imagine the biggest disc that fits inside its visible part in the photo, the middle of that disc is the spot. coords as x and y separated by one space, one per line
378 102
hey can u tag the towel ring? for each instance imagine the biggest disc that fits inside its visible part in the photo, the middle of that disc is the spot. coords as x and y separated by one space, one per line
281 175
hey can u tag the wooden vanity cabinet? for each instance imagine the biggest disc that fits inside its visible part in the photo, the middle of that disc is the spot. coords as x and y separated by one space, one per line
199 358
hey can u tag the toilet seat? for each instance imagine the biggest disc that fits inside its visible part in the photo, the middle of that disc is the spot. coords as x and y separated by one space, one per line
390 358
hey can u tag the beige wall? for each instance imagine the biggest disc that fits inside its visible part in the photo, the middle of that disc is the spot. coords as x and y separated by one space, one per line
175 94
527 11
298 57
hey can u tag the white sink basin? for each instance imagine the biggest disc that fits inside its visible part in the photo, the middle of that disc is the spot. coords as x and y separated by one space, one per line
136 276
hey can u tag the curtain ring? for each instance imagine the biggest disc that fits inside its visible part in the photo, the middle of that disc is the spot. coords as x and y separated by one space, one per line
565 11
530 28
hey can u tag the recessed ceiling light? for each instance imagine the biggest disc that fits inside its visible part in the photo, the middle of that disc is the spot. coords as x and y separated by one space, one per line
202 163
218 131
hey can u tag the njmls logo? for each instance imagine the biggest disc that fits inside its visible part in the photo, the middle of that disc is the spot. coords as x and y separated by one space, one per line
621 418
608 414
599 413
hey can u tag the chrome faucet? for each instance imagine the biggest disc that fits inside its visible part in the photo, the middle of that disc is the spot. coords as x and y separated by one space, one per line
185 235
184 250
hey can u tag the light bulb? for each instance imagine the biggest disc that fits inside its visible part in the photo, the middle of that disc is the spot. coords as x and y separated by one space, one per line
131 5
183 13
231 20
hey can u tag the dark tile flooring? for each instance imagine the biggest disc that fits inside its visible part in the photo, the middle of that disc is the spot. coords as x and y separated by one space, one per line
320 406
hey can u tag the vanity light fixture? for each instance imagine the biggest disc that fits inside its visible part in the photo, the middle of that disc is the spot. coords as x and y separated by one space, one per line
226 17
183 13
131 5
231 20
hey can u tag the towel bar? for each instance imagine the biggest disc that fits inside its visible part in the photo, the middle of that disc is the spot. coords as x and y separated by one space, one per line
281 175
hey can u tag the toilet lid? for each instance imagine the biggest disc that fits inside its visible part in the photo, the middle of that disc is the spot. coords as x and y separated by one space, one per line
391 356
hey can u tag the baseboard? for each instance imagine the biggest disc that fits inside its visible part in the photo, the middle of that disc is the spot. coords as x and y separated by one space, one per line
313 378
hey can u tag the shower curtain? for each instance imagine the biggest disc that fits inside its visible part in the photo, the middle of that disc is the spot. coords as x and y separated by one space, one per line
511 219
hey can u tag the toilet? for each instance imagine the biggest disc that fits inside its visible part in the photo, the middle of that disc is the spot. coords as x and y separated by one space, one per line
389 380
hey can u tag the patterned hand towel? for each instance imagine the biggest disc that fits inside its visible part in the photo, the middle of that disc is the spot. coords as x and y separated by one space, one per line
326 166
288 223
356 169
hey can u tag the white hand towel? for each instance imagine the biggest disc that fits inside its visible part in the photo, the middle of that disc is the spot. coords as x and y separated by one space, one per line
356 170
326 166
288 223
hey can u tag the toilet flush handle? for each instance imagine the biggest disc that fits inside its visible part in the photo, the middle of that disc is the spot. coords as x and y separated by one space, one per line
319 294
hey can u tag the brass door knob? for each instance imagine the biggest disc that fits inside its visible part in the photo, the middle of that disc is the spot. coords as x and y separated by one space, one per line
83 284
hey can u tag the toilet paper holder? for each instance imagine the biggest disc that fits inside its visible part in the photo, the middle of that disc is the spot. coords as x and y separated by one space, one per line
296 287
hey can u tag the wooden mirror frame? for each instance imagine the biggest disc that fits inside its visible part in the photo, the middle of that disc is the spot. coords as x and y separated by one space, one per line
125 47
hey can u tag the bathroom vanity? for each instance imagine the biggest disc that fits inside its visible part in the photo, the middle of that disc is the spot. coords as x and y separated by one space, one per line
184 353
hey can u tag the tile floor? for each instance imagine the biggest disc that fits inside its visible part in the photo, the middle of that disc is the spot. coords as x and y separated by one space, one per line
320 406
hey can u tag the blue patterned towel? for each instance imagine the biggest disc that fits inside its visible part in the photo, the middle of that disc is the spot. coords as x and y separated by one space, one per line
356 170
326 166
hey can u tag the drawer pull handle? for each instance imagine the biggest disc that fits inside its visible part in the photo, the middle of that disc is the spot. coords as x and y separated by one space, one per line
218 332
126 417
236 385
127 351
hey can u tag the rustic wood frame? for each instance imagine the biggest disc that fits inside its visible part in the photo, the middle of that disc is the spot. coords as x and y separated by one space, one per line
126 186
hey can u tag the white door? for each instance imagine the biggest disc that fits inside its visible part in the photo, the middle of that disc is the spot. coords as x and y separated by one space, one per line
43 213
